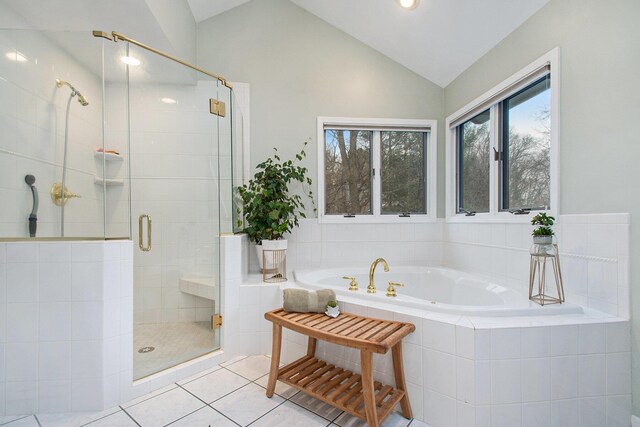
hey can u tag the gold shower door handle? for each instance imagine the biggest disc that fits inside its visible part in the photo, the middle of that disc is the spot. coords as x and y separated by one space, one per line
144 248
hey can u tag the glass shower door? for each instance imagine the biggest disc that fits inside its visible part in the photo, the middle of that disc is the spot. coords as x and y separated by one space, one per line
175 191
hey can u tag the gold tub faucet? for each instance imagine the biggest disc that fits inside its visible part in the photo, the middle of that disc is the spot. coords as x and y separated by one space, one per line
372 287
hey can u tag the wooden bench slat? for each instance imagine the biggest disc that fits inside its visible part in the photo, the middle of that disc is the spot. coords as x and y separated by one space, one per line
354 327
310 319
388 330
367 332
343 387
296 377
328 386
355 403
316 375
298 364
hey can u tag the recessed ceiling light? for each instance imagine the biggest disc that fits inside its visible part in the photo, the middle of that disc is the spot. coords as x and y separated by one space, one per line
409 4
169 101
130 60
16 56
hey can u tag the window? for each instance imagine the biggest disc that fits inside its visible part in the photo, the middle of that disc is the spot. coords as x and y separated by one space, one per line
347 171
525 167
473 164
503 148
376 170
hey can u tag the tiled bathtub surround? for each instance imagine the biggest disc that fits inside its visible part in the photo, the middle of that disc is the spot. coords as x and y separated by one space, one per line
529 373
594 256
65 325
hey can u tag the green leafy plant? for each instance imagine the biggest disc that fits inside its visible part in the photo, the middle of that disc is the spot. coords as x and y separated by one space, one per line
544 223
267 205
332 304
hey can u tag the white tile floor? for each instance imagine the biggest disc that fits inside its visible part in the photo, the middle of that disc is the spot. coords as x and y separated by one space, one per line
225 396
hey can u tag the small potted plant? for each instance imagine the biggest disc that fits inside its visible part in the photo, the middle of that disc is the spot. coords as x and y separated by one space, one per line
332 309
543 234
268 209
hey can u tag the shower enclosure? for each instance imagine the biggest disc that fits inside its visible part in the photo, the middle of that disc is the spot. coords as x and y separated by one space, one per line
177 154
152 152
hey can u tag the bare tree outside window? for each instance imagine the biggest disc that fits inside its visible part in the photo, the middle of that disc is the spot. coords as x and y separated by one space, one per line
347 171
403 172
473 164
526 168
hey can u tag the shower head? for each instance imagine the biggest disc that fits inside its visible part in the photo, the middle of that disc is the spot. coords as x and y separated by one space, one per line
81 98
30 180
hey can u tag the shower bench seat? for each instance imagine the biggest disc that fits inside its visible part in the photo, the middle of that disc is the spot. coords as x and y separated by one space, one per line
357 394
200 286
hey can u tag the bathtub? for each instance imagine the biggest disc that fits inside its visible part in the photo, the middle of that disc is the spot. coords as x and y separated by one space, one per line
436 289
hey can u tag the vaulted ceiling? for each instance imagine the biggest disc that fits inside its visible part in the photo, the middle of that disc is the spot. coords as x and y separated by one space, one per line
438 40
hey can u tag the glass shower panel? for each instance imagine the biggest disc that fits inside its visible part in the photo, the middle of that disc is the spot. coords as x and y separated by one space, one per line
114 165
175 211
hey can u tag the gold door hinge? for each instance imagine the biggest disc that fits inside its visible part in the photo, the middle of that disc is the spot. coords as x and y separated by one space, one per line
217 107
216 321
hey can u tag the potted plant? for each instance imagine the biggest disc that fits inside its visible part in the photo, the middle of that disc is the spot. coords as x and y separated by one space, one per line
543 235
268 206
332 309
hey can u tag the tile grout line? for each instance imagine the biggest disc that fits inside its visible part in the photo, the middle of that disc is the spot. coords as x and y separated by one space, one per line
149 398
37 420
105 416
129 415
209 404
20 417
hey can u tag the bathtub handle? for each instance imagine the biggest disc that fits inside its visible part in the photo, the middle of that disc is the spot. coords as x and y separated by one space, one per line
353 285
391 290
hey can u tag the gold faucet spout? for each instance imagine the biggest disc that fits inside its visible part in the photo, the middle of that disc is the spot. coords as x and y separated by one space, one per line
372 287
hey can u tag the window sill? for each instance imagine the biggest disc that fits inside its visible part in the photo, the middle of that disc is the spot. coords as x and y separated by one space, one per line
500 218
370 219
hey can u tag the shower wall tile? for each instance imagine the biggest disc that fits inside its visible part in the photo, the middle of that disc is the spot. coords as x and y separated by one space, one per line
32 125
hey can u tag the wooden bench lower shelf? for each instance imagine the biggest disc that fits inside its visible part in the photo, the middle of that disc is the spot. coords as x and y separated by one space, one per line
337 387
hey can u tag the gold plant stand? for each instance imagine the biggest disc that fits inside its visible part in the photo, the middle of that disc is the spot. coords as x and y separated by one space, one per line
541 254
274 265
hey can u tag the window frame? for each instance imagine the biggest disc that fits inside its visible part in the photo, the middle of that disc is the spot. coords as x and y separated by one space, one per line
430 127
507 88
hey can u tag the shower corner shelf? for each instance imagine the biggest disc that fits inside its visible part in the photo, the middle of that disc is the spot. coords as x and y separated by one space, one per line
107 156
108 182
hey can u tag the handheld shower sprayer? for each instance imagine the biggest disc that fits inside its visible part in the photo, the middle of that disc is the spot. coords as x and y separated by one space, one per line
81 98
33 216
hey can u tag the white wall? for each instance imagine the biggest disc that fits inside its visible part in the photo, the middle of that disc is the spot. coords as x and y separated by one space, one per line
299 68
177 23
599 109
32 125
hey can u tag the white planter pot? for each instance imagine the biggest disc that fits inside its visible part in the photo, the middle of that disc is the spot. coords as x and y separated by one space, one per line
542 240
270 245
332 311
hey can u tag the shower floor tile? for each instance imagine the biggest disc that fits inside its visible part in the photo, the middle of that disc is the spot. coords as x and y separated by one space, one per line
173 344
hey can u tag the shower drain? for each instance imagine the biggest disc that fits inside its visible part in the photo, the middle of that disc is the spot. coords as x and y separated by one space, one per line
146 349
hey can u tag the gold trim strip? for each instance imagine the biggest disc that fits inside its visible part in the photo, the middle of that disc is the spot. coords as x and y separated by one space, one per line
117 36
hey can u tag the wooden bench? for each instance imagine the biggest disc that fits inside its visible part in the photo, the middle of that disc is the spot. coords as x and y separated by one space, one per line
359 395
